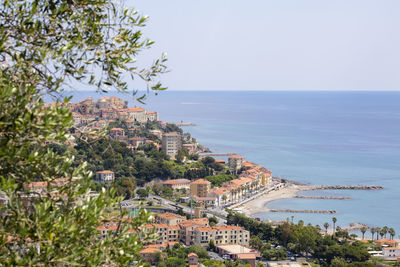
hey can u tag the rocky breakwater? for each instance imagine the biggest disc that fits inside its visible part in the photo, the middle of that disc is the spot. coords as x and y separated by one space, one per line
304 211
322 197
346 187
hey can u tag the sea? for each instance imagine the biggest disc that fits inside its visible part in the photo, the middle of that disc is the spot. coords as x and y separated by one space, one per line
316 138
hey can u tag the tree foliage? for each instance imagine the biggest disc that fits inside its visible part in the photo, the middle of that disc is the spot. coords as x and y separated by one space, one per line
46 46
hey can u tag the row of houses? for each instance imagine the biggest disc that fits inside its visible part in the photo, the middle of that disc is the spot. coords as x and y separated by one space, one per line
253 178
171 227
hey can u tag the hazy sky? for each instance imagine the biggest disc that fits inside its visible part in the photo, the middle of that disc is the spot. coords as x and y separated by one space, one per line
276 45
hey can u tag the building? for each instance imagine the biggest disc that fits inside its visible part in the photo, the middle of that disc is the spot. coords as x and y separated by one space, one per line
200 188
117 133
169 218
188 227
157 133
166 233
105 176
387 242
177 184
171 143
136 141
238 252
149 254
191 148
391 253
221 235
220 161
193 259
235 162
136 114
151 116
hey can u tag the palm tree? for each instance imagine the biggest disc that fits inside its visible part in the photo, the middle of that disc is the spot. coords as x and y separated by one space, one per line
377 231
326 226
224 198
382 232
385 230
373 230
334 220
363 230
392 233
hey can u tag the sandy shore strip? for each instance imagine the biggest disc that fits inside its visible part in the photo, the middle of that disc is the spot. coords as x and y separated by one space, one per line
259 204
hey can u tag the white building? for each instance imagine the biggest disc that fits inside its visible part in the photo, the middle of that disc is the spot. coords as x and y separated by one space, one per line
105 176
391 253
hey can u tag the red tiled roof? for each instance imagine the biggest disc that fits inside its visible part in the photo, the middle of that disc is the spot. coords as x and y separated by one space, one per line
136 109
246 256
169 215
176 181
149 251
201 181
236 157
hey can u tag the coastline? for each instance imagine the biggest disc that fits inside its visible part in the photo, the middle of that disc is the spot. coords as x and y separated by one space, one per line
259 203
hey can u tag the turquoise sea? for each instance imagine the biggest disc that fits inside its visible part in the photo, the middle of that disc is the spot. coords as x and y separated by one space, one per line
311 137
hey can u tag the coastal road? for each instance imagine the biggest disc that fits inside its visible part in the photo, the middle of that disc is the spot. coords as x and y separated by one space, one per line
173 205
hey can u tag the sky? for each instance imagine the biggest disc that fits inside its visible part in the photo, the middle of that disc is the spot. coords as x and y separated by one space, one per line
275 44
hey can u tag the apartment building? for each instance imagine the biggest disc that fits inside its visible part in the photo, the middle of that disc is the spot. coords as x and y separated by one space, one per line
200 188
221 235
171 143
166 233
235 162
177 184
169 218
188 227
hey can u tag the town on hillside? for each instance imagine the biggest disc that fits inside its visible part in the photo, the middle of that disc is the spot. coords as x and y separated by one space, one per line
193 197
188 198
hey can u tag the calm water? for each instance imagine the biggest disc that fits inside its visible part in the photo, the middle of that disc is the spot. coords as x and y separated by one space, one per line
312 137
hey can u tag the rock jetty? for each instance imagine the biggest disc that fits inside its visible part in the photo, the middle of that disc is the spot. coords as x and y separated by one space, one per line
321 197
346 187
304 211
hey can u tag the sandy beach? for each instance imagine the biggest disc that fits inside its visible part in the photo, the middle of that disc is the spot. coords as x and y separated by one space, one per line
259 204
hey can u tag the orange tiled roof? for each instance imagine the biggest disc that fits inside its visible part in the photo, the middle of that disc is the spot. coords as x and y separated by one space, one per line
156 225
163 245
395 248
246 256
176 181
105 171
149 251
116 129
173 227
192 254
105 227
201 221
169 215
201 181
386 240
227 227
136 109
236 157
206 229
